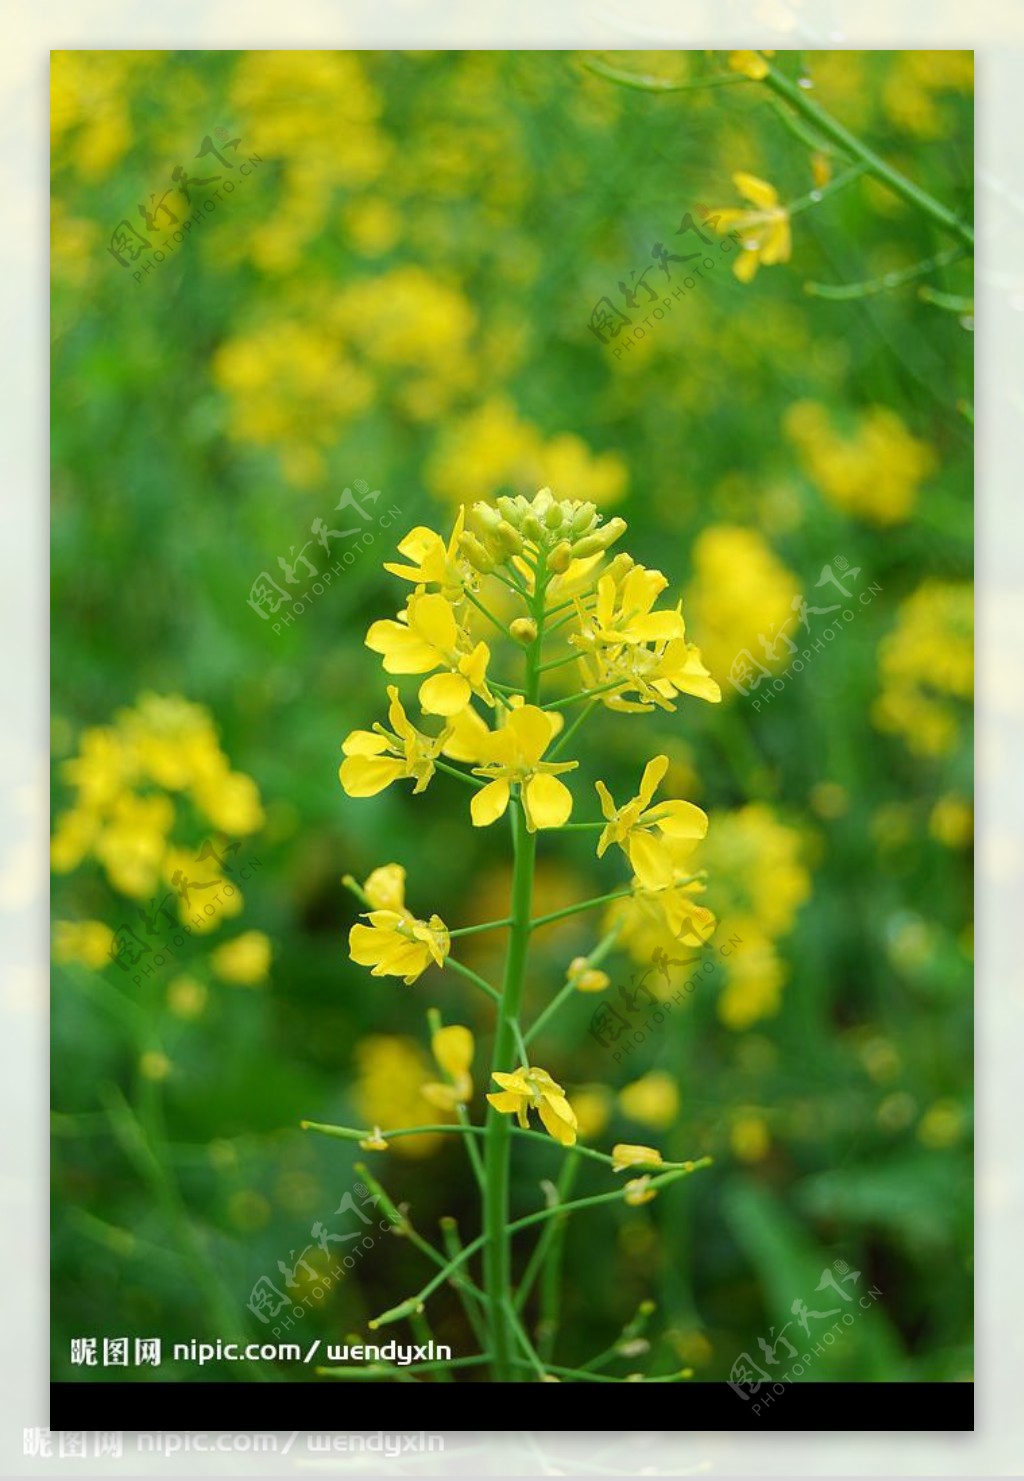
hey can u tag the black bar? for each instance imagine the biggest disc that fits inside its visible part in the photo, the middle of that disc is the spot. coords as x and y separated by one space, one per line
325 1406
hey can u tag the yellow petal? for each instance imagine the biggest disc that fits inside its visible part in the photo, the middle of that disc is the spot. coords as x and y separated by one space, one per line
365 776
364 743
511 1081
758 192
607 808
433 620
745 265
489 804
444 694
403 651
651 860
532 730
468 736
364 945
385 888
452 1047
654 773
548 802
778 244
505 1100
561 1128
682 820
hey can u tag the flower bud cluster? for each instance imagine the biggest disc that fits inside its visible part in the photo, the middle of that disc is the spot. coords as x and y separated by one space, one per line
565 529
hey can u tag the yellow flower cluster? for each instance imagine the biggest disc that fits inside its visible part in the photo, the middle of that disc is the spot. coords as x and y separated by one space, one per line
90 109
927 668
132 778
740 592
912 92
601 611
493 447
873 471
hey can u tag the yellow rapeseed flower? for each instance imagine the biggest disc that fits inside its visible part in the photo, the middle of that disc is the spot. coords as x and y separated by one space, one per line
395 943
512 754
376 758
529 1089
636 827
653 1100
751 63
434 563
427 636
764 231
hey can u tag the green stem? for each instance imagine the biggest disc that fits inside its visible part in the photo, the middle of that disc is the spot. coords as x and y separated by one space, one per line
597 956
498 1133
462 776
833 130
527 1221
546 920
473 977
540 1250
551 1272
489 925
559 704
822 193
645 84
895 279
566 736
497 1251
453 1248
479 604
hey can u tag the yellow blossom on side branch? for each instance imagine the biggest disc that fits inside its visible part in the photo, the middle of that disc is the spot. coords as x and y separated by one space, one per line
529 1089
764 231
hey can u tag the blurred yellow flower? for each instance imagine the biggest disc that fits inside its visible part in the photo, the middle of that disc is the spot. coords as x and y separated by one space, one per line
452 1048
593 1107
952 821
764 231
639 1191
493 448
85 942
653 1100
749 1138
636 827
387 1092
245 960
376 758
586 978
874 470
513 754
927 668
186 997
529 1089
751 63
740 599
